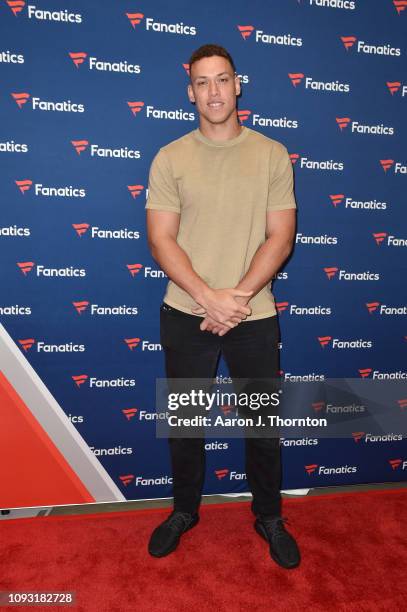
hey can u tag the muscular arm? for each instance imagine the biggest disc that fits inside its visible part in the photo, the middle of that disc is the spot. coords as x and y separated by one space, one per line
280 232
220 304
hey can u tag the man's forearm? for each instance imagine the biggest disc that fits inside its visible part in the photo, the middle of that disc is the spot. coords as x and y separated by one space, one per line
266 262
177 265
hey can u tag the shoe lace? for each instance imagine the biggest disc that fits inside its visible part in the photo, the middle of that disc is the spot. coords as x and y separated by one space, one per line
179 521
275 524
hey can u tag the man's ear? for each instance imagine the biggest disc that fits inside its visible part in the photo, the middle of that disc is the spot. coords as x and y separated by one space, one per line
238 85
191 94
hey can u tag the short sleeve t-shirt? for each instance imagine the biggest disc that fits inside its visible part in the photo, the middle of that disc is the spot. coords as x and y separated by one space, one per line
222 192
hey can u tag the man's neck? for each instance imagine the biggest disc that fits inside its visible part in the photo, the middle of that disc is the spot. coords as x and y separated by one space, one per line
220 132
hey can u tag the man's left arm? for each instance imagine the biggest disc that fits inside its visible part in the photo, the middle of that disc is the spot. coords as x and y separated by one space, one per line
268 259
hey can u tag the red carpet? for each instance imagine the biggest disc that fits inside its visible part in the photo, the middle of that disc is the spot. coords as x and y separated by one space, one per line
354 558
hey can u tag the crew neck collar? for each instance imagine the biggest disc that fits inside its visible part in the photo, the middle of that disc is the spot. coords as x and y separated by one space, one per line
222 143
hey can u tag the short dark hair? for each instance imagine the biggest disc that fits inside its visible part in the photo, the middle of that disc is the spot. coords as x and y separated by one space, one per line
210 51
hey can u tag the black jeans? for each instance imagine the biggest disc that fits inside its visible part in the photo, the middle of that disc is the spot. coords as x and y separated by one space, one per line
250 351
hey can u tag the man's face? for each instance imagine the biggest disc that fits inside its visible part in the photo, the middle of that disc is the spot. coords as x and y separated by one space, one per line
213 89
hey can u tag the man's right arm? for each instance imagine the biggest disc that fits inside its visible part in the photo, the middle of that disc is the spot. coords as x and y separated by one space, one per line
219 304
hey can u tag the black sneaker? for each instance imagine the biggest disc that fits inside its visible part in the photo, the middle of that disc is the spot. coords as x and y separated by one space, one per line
283 547
165 538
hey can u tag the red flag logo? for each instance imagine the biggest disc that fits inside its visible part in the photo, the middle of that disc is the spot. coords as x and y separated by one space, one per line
80 228
135 190
186 68
330 272
358 435
135 107
20 98
324 340
386 164
135 18
337 198
402 403
134 269
129 413
79 380
294 158
221 473
16 6
393 86
243 115
295 77
372 306
80 145
281 306
24 185
379 237
318 406
26 344
395 463
365 372
26 266
348 41
132 342
127 479
400 5
310 469
342 122
78 58
245 31
81 306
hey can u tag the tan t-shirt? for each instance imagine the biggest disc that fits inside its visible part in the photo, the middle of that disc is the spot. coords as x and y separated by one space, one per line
222 191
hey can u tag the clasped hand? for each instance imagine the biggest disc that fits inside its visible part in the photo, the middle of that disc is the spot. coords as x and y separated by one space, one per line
224 309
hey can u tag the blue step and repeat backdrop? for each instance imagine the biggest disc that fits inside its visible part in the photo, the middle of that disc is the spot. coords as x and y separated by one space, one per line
90 92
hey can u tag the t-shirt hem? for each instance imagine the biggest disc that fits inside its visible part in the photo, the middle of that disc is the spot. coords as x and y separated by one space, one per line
162 207
255 317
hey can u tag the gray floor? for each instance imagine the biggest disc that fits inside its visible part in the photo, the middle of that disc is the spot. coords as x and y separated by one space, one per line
210 499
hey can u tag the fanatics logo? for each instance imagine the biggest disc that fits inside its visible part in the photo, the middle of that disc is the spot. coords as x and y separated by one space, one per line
324 340
132 342
16 6
80 145
358 435
295 77
135 190
20 98
395 463
80 379
281 306
243 115
379 237
129 413
393 86
134 269
310 469
348 41
294 157
80 306
365 372
78 58
26 344
342 122
127 479
80 228
386 164
221 473
402 403
24 185
400 5
135 107
186 68
337 199
330 272
26 266
372 306
245 31
318 406
135 18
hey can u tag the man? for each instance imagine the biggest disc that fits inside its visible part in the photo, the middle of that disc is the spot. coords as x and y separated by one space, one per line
221 222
